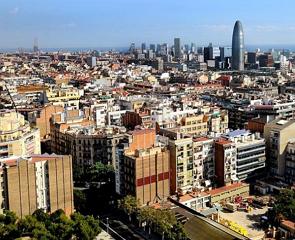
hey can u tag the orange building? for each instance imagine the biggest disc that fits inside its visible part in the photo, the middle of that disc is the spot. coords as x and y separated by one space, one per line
225 162
132 119
145 168
41 119
256 125
141 139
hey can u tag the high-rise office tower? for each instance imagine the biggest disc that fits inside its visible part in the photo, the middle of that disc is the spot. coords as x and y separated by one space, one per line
143 47
238 47
177 48
252 57
163 49
206 54
186 48
132 48
221 49
193 47
200 50
153 47
35 46
91 61
158 49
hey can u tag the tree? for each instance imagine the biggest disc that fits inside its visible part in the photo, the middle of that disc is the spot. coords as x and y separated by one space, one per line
41 216
129 205
163 222
99 172
62 226
9 217
80 201
85 227
29 226
41 225
177 233
166 220
284 207
8 228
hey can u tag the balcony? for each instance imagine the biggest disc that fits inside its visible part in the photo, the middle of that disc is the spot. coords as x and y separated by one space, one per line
251 157
251 169
251 150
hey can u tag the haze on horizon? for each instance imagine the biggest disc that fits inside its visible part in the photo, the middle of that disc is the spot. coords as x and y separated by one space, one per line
116 23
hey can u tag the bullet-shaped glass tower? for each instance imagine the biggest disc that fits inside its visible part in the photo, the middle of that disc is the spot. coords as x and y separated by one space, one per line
238 47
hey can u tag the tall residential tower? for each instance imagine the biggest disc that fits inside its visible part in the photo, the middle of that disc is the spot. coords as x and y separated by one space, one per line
238 47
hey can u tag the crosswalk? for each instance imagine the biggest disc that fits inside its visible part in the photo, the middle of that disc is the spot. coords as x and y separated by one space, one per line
181 218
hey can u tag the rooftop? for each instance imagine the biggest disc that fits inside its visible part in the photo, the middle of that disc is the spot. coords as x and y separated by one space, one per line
226 188
238 133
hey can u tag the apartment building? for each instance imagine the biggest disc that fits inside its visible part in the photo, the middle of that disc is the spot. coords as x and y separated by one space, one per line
72 132
143 167
250 153
204 165
38 182
181 163
115 117
17 138
133 140
278 134
40 118
225 162
64 95
146 174
194 125
290 163
218 121
132 119
199 121
276 108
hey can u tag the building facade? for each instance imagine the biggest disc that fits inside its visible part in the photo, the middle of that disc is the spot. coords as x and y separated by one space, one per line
278 134
39 182
225 162
290 163
73 133
146 174
250 153
17 138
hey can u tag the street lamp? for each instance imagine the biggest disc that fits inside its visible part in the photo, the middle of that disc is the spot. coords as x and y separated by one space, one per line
107 225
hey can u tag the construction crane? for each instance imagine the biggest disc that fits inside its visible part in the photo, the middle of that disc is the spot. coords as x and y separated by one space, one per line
12 101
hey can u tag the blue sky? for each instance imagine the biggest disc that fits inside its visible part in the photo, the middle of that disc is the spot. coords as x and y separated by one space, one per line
117 23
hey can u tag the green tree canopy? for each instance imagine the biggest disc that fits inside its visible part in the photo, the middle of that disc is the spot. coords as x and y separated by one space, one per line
284 206
129 204
85 227
55 226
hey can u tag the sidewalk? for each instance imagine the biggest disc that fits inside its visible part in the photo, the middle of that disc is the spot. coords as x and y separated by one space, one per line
104 236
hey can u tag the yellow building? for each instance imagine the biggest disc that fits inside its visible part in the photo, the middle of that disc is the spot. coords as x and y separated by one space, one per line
17 138
64 95
181 164
195 125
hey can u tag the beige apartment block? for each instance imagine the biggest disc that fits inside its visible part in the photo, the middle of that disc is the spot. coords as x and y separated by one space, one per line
146 175
17 138
40 182
278 134
181 164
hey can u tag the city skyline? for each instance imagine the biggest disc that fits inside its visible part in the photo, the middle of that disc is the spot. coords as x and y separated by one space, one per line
108 24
